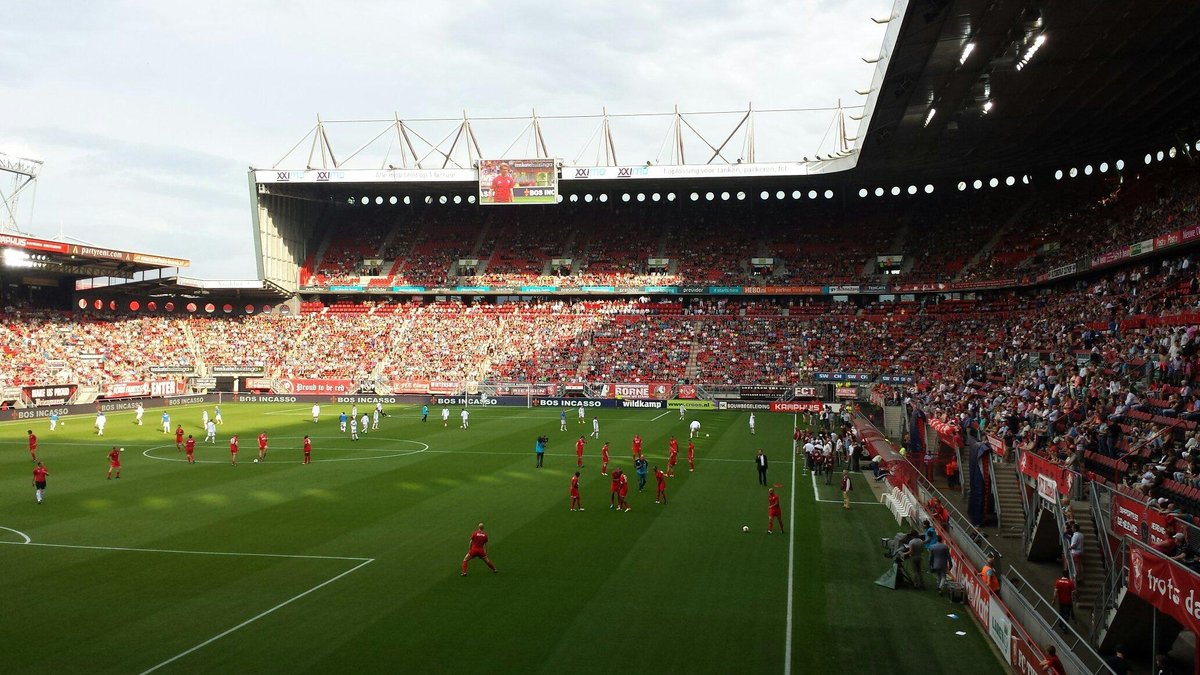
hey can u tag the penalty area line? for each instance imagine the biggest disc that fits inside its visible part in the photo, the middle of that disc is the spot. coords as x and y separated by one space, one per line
260 615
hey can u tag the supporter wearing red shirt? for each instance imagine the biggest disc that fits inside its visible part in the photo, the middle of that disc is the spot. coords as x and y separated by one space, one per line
179 437
190 448
773 511
479 540
1064 593
579 452
576 505
307 450
691 456
114 462
233 449
32 445
39 481
262 446
660 496
502 186
604 460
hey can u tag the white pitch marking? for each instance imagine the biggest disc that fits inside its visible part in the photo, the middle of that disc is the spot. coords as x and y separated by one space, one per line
660 416
23 535
232 554
425 448
252 619
817 497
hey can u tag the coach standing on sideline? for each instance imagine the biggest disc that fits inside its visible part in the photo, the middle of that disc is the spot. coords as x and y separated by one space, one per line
760 461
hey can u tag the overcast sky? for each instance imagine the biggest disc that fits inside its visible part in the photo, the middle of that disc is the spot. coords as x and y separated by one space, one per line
148 113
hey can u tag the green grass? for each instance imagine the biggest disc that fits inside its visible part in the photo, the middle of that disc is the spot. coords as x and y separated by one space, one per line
674 588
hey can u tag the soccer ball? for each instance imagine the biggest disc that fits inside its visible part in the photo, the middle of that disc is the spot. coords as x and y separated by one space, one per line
745 528
256 460
707 435
122 449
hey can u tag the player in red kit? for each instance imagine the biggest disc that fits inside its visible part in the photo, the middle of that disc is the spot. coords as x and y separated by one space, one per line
179 437
190 448
479 540
604 460
32 446
233 448
773 511
673 457
39 481
622 490
502 186
576 505
114 462
661 494
262 446
616 488
637 446
691 456
307 450
579 452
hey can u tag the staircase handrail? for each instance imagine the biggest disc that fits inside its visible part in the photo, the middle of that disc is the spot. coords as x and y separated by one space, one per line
1040 620
1114 581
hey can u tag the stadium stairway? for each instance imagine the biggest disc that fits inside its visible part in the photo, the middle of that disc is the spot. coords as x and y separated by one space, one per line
1092 572
1000 233
1008 493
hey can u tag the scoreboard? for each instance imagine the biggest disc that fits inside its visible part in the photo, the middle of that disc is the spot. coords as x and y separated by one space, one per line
518 181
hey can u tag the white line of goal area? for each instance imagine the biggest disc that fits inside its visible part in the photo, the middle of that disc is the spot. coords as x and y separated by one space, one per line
817 495
362 562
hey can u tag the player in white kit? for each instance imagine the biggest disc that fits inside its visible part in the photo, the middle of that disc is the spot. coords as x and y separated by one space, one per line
751 424
694 429
139 412
466 417
596 427
445 417
100 422
210 432
316 412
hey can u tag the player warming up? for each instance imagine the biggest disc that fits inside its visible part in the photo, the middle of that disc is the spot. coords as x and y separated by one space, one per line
615 489
479 540
316 412
595 427
166 422
694 429
445 417
672 457
774 512
307 450
179 437
562 421
190 449
114 462
233 449
342 422
637 446
138 414
751 424
466 418
39 481
661 495
604 459
622 492
32 445
262 447
576 505
579 452
582 414
691 456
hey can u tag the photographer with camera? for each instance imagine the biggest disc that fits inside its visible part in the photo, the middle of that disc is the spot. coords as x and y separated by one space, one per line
540 449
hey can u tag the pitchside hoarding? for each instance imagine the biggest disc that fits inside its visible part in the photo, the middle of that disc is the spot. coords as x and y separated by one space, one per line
518 181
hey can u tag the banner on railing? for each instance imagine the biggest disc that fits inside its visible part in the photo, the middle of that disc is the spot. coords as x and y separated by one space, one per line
1033 466
304 386
1133 518
1165 584
132 389
643 390
525 389
685 391
797 406
49 394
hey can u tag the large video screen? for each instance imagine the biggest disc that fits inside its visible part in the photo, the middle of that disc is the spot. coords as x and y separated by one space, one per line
518 181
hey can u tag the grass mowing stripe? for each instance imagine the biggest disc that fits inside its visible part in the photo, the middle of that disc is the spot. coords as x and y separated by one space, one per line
787 649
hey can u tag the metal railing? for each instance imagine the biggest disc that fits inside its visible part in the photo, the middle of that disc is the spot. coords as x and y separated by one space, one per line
1114 581
995 490
1042 622
1103 520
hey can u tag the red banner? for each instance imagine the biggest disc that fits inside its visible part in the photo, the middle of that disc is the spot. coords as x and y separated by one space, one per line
796 406
1165 584
686 391
641 390
444 387
307 386
1033 466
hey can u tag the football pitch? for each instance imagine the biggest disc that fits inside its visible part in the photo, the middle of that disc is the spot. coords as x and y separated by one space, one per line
352 563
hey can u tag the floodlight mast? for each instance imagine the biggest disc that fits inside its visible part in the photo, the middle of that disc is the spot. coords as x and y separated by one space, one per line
24 173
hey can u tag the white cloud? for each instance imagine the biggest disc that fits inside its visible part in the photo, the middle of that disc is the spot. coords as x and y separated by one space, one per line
148 113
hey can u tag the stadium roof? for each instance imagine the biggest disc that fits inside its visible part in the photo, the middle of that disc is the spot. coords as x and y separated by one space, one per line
1067 82
44 257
